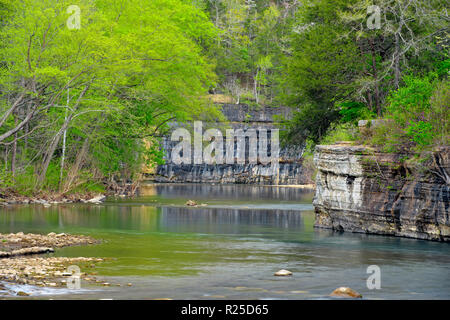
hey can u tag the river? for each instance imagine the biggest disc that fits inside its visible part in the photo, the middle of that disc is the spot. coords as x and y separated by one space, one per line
228 247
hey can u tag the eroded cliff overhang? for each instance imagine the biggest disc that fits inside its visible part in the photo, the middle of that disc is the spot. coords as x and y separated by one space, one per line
359 189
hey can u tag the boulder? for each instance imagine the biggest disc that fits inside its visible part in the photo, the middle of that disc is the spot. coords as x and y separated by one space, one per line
345 292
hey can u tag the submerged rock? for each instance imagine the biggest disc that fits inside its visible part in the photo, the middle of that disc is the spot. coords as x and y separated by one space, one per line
345 292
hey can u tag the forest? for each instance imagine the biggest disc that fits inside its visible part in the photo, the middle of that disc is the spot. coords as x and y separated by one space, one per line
88 88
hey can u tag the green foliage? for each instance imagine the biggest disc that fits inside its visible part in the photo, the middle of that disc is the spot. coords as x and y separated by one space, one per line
352 111
417 116
421 133
114 83
251 44
319 57
339 68
52 179
410 102
310 121
112 87
23 182
341 132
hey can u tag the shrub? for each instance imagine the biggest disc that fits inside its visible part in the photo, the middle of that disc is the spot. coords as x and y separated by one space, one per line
419 114
352 111
341 132
421 133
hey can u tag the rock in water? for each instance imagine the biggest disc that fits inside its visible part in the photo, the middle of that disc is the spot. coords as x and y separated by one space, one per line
345 292
97 199
191 203
283 272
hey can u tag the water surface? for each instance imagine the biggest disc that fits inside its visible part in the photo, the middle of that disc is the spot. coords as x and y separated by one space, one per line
229 247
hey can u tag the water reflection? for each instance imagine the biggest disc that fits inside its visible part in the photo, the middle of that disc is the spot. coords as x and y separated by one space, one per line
228 221
149 219
228 192
237 240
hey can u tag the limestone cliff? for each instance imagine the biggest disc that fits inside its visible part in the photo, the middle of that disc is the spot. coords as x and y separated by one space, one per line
291 170
362 190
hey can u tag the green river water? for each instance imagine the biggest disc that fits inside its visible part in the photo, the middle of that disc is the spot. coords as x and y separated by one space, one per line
228 249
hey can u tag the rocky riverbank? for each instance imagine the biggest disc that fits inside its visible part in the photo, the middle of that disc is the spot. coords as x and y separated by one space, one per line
50 199
13 242
45 272
359 189
20 264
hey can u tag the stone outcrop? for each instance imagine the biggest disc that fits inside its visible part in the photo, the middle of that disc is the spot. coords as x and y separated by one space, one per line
359 189
14 244
290 171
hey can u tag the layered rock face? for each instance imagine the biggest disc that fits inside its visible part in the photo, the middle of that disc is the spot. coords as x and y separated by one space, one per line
362 190
289 171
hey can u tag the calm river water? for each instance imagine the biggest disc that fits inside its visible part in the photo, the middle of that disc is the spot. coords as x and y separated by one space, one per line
229 248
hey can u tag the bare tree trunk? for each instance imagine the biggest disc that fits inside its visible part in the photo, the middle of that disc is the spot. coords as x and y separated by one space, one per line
6 158
396 62
14 150
13 131
51 150
255 87
375 76
73 172
26 130
370 100
63 156
12 109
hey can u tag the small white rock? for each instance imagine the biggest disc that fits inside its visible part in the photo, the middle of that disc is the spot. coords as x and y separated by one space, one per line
283 272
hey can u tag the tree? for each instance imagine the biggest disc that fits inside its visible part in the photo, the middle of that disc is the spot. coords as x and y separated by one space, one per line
338 62
130 68
320 70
